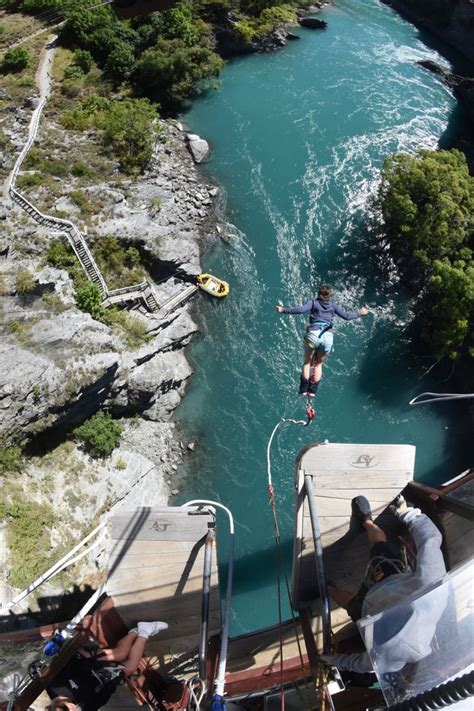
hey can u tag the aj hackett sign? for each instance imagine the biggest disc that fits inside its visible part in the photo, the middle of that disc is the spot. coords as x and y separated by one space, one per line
364 461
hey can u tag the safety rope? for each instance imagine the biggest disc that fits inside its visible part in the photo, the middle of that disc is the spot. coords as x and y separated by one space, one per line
197 691
272 502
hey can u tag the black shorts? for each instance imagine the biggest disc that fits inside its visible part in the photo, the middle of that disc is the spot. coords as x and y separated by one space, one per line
380 567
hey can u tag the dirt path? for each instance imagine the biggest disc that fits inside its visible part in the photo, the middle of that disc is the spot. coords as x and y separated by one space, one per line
43 82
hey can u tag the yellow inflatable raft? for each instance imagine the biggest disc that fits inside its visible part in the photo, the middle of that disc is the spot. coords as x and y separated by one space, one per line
212 285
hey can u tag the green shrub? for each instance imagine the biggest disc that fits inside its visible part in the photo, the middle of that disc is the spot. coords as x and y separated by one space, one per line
72 87
83 59
89 299
81 199
26 80
129 327
61 256
129 132
82 170
73 72
29 180
10 458
28 538
25 282
100 434
15 60
120 266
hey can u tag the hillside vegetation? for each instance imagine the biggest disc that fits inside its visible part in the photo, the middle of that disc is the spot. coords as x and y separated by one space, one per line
427 204
166 57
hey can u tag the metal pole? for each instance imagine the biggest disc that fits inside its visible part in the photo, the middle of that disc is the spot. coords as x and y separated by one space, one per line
318 554
206 590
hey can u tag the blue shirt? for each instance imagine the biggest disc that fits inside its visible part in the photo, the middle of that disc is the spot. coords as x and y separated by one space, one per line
321 312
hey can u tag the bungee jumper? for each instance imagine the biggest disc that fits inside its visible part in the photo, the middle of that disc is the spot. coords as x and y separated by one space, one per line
318 339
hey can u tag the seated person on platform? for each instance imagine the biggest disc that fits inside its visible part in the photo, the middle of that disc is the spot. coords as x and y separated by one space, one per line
91 676
389 581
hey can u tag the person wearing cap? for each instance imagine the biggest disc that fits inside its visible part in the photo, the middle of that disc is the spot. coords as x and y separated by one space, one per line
318 340
91 676
406 636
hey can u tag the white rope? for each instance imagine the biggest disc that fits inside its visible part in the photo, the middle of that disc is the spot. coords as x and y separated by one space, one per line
195 699
282 421
81 555
220 676
439 397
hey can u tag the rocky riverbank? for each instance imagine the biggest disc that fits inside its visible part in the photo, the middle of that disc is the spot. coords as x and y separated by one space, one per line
59 365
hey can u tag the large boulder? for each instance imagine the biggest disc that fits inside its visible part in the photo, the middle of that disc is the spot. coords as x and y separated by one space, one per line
199 148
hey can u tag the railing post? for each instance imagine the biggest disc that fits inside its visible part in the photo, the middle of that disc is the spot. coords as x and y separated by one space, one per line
206 592
318 555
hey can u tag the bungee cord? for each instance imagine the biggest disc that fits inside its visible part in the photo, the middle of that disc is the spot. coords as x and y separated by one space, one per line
439 397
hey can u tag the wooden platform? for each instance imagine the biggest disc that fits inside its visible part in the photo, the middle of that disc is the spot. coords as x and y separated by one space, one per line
339 472
155 573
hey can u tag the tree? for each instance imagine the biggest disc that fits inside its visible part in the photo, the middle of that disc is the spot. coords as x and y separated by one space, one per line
100 434
80 26
169 73
427 204
15 60
447 307
83 60
128 129
120 64
89 299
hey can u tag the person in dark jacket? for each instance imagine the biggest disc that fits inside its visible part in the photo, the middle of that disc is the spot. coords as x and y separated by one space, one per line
318 339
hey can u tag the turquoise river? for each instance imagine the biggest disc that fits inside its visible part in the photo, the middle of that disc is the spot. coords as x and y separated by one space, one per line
299 138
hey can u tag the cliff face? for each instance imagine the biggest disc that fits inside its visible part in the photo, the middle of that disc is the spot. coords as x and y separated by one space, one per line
451 20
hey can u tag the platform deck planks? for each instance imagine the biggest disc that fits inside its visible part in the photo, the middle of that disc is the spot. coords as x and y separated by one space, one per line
339 472
155 573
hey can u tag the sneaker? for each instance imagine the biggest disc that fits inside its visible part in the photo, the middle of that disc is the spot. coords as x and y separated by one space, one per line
304 385
148 629
361 510
134 630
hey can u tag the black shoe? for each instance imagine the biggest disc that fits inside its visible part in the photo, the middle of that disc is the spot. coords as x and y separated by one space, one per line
313 387
361 510
304 385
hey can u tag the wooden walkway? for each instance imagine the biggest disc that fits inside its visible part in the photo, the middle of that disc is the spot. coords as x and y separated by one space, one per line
339 472
155 573
176 300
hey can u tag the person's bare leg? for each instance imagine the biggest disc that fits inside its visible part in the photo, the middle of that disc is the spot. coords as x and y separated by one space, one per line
318 366
342 597
308 356
136 653
121 651
374 533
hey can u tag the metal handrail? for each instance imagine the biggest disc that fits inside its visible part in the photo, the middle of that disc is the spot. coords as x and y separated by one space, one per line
318 555
206 592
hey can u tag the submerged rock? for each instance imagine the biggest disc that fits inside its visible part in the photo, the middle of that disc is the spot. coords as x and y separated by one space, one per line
312 23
